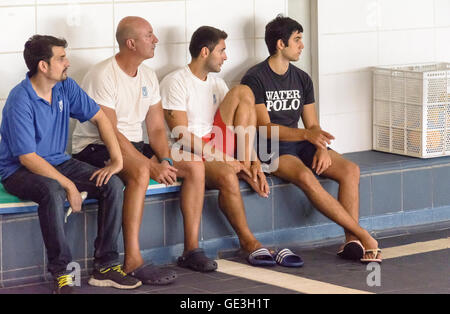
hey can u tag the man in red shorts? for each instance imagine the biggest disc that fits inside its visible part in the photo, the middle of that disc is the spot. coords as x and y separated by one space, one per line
219 125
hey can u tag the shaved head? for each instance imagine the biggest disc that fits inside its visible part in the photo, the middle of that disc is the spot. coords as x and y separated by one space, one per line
129 28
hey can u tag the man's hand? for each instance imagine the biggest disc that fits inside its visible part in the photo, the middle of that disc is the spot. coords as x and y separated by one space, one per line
321 161
163 172
259 177
74 198
318 137
238 167
104 174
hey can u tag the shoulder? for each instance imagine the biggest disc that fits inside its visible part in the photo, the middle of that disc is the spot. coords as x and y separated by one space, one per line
148 71
18 102
177 77
300 73
257 69
100 71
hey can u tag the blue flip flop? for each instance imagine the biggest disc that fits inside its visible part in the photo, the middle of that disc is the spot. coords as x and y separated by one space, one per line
287 258
261 257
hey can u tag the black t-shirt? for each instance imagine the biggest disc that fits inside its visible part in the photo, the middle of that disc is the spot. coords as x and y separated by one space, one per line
284 95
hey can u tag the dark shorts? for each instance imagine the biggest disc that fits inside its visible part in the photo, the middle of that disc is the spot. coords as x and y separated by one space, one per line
97 155
303 150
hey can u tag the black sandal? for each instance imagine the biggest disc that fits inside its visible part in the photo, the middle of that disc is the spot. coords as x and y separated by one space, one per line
197 260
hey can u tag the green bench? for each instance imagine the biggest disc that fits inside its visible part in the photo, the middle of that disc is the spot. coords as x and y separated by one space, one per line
9 204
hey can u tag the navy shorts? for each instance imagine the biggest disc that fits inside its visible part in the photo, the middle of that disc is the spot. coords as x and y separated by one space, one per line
303 150
96 154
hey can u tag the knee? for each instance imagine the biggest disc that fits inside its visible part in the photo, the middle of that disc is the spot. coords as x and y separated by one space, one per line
53 192
305 178
351 171
138 175
228 182
195 170
115 185
245 95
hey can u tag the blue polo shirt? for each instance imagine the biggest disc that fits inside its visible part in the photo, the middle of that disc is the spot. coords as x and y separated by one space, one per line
31 124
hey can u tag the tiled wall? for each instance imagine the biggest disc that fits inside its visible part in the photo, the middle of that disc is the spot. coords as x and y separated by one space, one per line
89 26
354 35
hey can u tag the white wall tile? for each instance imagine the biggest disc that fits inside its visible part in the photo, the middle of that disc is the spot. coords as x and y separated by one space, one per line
348 16
265 11
16 2
347 52
443 44
236 18
12 19
442 11
69 1
353 131
412 46
82 60
345 93
261 52
168 58
83 26
401 14
12 72
167 18
240 55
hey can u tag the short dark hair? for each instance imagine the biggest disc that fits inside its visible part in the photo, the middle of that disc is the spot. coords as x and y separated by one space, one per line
205 36
280 28
39 47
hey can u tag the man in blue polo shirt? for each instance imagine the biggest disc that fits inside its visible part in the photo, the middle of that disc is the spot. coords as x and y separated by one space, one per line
34 165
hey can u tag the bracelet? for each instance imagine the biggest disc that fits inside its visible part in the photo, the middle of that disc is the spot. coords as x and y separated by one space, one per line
169 160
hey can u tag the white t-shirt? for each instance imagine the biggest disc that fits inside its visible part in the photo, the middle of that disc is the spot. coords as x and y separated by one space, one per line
182 90
130 97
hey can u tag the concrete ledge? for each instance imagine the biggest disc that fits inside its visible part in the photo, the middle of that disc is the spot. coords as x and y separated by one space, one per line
395 192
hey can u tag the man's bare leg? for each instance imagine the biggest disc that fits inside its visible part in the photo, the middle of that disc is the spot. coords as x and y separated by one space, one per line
293 170
347 175
221 176
192 197
136 177
238 110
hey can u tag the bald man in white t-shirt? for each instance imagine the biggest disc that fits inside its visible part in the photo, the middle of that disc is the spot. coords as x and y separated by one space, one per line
128 92
205 117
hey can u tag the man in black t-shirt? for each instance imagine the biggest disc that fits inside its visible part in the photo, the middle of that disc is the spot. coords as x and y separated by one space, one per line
283 94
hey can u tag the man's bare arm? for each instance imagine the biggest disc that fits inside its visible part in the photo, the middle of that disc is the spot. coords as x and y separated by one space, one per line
38 165
156 131
311 133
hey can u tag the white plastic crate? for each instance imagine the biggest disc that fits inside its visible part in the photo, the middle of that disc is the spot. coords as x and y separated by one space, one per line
411 109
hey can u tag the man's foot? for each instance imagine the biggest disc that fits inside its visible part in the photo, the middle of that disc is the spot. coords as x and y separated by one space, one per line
197 260
371 250
64 285
149 274
113 277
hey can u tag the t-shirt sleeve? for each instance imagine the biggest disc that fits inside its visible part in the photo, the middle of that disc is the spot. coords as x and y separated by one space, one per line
82 107
173 94
255 85
20 127
100 87
155 94
309 91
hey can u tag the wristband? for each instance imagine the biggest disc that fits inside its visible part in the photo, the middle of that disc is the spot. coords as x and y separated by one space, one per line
169 160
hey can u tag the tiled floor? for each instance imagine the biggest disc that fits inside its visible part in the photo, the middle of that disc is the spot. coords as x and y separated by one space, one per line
423 268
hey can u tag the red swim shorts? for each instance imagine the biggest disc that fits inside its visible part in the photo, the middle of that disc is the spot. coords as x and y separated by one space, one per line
227 142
